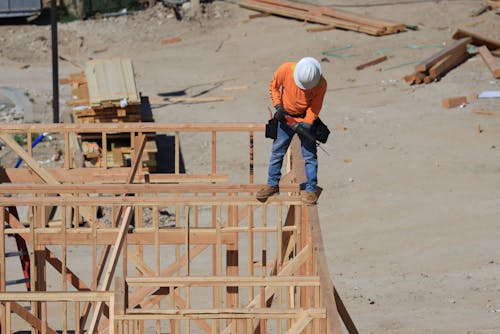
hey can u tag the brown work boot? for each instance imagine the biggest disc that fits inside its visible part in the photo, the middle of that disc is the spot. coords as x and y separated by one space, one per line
266 192
309 197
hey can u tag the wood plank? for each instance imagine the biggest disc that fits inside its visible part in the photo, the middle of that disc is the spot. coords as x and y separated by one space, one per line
140 236
476 39
455 46
40 171
327 287
324 15
486 112
371 63
29 317
13 188
115 175
453 102
134 127
448 63
221 313
199 99
190 281
490 61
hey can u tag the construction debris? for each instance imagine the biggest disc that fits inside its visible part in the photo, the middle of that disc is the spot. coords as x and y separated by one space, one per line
486 112
490 61
440 63
477 40
325 15
371 63
170 40
453 102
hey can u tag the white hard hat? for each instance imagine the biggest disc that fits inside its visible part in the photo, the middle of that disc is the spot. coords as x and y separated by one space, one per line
307 73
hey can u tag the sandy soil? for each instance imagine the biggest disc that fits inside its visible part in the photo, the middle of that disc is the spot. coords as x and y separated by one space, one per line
411 194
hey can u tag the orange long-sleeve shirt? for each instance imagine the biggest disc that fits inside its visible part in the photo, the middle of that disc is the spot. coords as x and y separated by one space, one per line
295 100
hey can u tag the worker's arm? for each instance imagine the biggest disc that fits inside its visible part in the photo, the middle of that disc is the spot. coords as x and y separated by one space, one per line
277 83
314 108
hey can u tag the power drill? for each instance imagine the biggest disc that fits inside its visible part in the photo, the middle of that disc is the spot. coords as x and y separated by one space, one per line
299 129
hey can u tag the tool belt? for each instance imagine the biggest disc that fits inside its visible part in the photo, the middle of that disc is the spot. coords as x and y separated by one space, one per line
272 128
320 131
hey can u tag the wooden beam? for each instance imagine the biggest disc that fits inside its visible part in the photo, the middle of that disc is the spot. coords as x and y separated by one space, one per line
113 260
139 236
300 323
452 102
132 127
371 63
455 46
490 61
101 175
16 188
476 39
40 171
149 201
29 317
221 313
125 215
194 281
447 63
327 287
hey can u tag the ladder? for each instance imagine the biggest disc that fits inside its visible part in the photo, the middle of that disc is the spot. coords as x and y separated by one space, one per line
22 253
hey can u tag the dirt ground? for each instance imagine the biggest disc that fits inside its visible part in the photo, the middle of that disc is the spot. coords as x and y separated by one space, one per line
410 208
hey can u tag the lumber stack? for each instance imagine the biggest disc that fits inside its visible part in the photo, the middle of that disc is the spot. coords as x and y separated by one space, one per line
105 92
440 63
327 16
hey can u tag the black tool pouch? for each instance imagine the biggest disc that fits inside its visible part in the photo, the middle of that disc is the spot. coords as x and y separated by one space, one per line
320 130
272 128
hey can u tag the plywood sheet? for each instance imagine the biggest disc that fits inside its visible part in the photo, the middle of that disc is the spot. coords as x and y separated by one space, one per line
111 80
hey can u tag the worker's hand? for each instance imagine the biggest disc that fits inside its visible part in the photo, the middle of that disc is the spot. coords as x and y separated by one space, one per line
280 113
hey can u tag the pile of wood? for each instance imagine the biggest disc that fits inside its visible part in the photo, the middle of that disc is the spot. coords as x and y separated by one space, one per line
331 17
453 55
105 92
440 63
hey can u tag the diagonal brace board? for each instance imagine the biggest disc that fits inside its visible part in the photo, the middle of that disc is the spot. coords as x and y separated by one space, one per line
39 170
126 218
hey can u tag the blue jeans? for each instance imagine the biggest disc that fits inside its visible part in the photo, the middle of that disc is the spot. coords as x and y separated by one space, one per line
280 146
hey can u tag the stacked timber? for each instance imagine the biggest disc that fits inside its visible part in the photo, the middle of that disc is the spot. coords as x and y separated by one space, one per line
440 63
106 92
324 15
488 49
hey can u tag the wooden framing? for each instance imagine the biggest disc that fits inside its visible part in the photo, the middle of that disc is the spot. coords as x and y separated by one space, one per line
283 285
325 15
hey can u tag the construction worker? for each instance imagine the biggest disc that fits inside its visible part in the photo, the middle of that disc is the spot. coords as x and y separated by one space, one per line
297 92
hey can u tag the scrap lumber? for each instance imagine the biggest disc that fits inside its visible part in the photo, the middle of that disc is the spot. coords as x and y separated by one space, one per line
327 16
490 61
452 102
477 39
170 40
486 112
371 63
494 4
454 47
440 63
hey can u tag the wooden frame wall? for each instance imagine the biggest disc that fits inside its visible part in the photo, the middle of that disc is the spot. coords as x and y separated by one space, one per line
229 264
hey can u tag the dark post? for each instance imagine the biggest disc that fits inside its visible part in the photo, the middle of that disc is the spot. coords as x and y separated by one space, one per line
55 65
